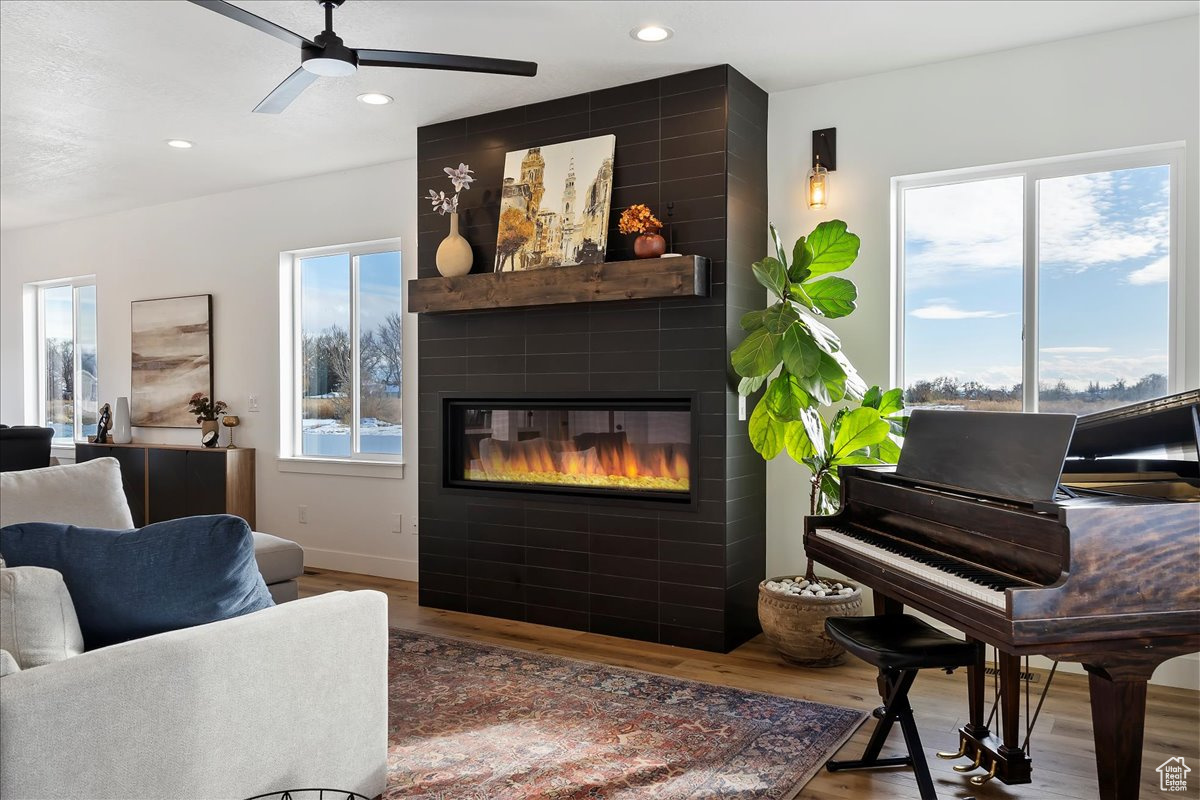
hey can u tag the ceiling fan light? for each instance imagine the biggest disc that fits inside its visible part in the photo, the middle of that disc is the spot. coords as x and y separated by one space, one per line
329 67
374 99
180 144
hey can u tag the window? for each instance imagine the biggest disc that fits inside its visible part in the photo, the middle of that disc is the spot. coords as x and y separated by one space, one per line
1040 287
67 390
346 350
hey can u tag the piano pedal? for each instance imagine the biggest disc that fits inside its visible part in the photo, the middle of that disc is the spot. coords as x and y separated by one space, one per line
980 780
962 751
972 765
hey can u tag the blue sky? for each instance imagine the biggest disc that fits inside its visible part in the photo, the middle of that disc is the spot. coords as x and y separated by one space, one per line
1103 294
326 290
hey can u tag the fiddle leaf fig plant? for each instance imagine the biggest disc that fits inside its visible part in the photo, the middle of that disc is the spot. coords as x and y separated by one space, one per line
790 351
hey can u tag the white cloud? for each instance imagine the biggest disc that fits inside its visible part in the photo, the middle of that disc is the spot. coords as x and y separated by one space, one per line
945 311
962 228
1157 271
1081 349
1077 228
1080 370
967 228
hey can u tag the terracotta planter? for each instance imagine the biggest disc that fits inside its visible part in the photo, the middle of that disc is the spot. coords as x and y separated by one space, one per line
795 626
454 256
649 245
209 426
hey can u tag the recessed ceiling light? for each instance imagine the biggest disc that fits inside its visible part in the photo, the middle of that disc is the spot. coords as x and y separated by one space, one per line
374 99
181 144
652 33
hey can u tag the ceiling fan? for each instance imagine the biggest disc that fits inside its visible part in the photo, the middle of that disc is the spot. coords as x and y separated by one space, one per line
326 56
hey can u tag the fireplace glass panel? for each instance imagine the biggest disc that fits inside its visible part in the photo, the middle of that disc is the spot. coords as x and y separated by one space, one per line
637 449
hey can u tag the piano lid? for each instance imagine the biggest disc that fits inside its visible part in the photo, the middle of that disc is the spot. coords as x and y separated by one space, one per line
1006 455
1167 421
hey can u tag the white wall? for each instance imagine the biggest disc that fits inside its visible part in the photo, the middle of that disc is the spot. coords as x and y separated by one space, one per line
228 245
1133 87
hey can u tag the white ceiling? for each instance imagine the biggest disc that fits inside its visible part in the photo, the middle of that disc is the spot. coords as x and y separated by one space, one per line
90 90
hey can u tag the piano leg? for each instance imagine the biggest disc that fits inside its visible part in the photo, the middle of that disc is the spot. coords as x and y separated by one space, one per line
977 694
1010 702
1118 722
884 604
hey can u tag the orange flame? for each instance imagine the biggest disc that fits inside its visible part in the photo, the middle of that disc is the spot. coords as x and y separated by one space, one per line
613 462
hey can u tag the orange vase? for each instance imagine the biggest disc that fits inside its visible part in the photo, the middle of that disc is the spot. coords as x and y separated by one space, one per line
649 245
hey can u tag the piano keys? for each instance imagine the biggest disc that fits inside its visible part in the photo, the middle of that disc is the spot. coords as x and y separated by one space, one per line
1090 554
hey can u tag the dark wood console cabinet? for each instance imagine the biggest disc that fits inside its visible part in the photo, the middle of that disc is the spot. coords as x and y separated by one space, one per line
164 481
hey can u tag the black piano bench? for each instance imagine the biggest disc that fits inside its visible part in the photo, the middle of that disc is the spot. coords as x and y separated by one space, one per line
900 645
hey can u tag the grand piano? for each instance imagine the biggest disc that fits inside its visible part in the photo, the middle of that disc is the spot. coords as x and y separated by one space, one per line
1039 534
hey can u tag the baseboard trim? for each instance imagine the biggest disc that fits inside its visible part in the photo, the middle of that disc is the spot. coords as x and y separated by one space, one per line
403 569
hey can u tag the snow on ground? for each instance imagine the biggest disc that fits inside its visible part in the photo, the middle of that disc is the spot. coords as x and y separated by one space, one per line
338 428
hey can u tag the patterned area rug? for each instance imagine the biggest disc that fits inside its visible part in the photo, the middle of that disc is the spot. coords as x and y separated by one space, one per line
481 722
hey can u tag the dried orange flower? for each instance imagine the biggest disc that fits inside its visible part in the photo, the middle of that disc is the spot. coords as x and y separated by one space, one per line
638 219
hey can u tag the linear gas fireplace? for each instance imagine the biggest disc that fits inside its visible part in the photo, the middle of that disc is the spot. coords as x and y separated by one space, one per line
631 449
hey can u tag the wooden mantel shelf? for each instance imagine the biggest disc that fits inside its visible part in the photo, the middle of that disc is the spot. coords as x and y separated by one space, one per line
677 276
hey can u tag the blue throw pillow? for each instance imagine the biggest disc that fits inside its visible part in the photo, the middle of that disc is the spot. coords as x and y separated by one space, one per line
129 584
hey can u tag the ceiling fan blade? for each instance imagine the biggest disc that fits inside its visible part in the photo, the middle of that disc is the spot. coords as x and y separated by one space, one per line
253 20
286 92
407 58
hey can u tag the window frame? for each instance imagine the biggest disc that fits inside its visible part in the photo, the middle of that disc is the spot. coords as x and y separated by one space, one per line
291 385
38 290
1171 155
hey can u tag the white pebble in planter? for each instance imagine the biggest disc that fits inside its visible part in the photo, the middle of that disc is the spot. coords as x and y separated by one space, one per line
793 618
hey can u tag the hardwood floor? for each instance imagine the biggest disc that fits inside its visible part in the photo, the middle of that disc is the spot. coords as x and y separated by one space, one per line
1061 747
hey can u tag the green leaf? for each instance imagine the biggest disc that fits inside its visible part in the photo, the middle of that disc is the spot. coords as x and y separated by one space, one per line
779 317
816 387
748 386
771 273
814 426
752 320
800 353
834 297
872 397
757 355
797 441
797 293
856 458
779 251
860 428
833 248
785 399
889 451
853 385
801 258
831 493
826 339
766 434
834 376
891 402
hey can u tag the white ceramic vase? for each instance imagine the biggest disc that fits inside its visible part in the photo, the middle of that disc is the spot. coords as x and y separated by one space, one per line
454 255
122 433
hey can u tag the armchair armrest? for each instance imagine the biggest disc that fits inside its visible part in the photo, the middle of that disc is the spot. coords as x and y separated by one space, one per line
289 697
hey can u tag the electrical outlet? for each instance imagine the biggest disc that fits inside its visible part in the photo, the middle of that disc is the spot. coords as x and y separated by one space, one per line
252 403
412 526
397 523
742 409
303 515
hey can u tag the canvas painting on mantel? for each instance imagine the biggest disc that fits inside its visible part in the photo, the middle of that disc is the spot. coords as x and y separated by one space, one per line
554 205
171 359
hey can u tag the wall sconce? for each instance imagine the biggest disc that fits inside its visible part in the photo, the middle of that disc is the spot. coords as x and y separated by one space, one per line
824 161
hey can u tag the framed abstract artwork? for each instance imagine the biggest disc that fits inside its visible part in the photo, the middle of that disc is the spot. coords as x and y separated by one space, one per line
171 345
554 205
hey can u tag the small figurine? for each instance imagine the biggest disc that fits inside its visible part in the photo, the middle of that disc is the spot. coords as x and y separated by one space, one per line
103 424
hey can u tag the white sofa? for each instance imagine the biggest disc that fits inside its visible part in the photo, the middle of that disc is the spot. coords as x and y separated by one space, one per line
291 697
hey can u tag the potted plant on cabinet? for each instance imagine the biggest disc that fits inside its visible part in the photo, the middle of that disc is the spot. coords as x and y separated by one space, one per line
817 408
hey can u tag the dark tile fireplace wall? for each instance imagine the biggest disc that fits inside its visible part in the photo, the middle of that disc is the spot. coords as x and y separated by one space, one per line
652 572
